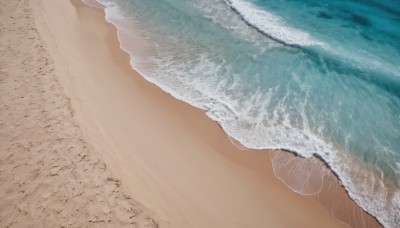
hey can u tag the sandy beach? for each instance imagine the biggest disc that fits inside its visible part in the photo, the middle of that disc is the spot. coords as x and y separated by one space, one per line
50 176
87 141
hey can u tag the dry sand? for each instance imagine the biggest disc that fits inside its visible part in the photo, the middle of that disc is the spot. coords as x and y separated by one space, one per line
168 155
49 176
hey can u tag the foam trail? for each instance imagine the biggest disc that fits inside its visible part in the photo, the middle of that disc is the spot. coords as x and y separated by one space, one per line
271 25
196 79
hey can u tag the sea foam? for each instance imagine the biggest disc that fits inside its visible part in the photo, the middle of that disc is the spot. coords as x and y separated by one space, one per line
271 25
194 79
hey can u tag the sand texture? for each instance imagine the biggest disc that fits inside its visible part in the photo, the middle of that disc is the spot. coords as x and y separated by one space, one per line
84 138
50 177
169 155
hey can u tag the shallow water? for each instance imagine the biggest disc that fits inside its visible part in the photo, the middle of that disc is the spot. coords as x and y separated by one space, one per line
312 77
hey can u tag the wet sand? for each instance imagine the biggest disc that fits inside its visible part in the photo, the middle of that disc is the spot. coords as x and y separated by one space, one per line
168 155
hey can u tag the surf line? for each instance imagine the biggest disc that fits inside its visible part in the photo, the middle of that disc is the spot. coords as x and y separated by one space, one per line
229 3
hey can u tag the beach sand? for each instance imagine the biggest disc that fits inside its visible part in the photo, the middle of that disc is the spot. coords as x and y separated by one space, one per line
50 177
84 139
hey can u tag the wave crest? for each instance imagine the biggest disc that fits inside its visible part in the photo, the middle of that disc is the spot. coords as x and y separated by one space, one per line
271 25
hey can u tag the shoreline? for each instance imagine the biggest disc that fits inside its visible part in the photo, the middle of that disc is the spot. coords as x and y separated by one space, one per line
349 213
106 99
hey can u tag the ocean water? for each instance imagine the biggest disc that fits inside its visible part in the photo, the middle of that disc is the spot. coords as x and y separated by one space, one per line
317 78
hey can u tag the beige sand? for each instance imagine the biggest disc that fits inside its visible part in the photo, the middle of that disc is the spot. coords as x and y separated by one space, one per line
49 176
169 156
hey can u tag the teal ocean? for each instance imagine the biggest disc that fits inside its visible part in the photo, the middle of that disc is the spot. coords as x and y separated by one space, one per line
317 78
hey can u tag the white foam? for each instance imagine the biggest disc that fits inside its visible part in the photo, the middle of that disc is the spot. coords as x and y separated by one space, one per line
218 12
371 193
271 25
195 82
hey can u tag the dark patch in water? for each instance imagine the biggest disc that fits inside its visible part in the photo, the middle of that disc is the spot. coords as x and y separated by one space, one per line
385 82
361 20
366 36
391 7
324 15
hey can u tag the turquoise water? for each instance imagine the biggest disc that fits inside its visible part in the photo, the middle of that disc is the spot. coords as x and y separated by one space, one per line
317 78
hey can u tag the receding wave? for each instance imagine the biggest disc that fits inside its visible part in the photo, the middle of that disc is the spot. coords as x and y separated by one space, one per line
248 121
270 25
371 69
